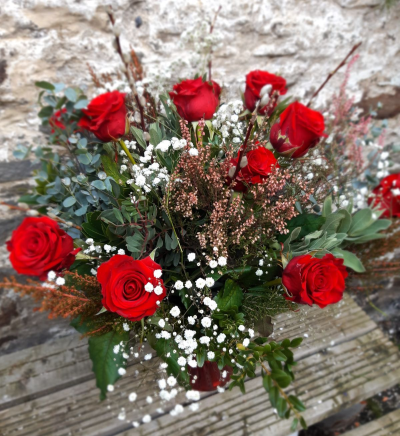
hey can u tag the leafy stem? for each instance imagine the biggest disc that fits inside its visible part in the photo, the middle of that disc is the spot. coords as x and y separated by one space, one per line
282 392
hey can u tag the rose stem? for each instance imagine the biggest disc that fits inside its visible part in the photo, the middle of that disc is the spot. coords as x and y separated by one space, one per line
54 217
126 70
244 146
211 31
125 148
330 75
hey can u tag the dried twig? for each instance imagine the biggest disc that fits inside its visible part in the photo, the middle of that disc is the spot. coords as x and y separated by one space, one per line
211 31
242 149
127 68
330 75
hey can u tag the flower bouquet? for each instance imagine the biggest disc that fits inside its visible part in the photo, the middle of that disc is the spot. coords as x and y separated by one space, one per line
186 222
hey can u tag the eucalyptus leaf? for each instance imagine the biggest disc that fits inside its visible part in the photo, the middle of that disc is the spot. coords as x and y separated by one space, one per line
69 201
71 94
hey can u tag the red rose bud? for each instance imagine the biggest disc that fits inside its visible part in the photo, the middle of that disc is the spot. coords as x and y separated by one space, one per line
386 196
195 99
315 281
55 120
129 286
209 377
298 129
105 116
261 85
38 246
255 168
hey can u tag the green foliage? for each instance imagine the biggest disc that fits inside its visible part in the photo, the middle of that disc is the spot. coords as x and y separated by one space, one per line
165 350
101 352
230 297
276 362
111 169
334 232
105 361
308 223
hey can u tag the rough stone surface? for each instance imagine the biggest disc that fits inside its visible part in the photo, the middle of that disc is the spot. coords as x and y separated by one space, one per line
302 40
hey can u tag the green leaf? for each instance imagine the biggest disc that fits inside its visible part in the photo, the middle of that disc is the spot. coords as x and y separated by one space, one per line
367 238
135 243
79 326
230 296
118 215
45 85
174 242
375 227
165 351
309 223
93 228
138 134
98 184
294 424
155 134
281 377
298 405
267 382
85 158
201 357
345 223
81 211
349 259
360 221
334 221
168 242
303 423
81 104
105 361
111 169
281 406
45 112
327 208
278 355
102 310
273 396
294 343
71 94
69 201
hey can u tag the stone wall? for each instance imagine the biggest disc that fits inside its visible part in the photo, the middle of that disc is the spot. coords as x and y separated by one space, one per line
301 39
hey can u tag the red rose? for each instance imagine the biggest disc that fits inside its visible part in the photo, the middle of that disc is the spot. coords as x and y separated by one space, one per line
299 129
195 99
209 377
256 166
255 81
123 281
55 120
312 280
38 246
387 196
105 116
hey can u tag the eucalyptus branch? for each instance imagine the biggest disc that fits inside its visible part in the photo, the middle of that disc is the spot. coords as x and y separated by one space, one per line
34 212
330 75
